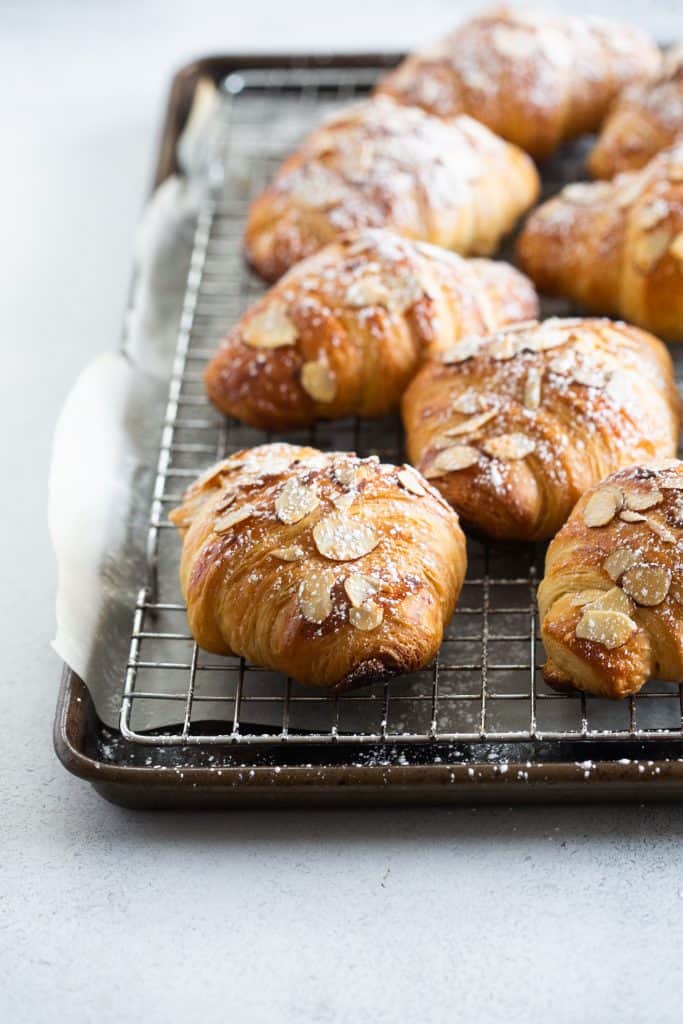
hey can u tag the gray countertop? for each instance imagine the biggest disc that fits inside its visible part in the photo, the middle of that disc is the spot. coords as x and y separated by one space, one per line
487 915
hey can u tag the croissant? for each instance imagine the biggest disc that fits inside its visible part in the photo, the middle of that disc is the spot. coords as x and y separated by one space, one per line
332 569
612 596
615 247
345 330
379 164
645 118
513 428
533 79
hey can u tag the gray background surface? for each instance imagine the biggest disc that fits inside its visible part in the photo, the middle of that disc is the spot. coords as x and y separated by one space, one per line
486 915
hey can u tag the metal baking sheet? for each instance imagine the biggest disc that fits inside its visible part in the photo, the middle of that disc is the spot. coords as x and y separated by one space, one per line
479 722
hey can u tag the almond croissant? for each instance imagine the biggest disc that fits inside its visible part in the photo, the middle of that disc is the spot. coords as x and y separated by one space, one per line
345 330
379 164
332 569
611 601
645 118
512 429
534 79
615 247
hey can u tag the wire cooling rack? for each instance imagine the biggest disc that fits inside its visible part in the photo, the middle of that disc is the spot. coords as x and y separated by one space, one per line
485 685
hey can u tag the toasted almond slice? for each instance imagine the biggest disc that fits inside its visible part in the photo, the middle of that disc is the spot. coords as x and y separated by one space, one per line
345 472
672 483
676 247
552 337
450 460
532 389
295 501
612 600
563 364
366 291
639 501
653 213
584 597
602 506
662 531
368 617
471 425
650 247
509 446
344 501
506 347
360 588
290 554
619 561
232 518
315 597
465 349
589 376
607 628
408 479
676 591
627 516
647 584
579 192
271 328
318 380
225 504
514 43
469 402
343 539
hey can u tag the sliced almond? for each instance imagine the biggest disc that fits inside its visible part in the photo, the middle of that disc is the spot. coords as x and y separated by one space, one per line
607 628
672 483
639 501
360 588
505 348
676 590
563 364
619 561
468 403
344 501
548 337
318 380
648 585
662 531
225 504
584 597
602 506
369 616
627 516
315 596
509 446
676 247
366 291
291 554
515 43
450 460
343 539
618 387
471 425
409 480
589 376
295 501
465 349
650 247
271 328
232 518
581 192
532 389
653 213
612 600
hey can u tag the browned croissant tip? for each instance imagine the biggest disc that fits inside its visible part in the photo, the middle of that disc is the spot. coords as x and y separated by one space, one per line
371 670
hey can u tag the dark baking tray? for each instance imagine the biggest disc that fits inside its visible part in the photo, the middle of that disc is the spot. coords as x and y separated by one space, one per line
277 774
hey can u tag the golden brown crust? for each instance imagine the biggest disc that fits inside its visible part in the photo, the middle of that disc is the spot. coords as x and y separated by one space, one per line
380 164
645 118
615 247
345 330
332 569
513 434
632 566
534 79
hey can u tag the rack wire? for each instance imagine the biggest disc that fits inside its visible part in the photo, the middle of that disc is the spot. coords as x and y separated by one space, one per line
485 685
